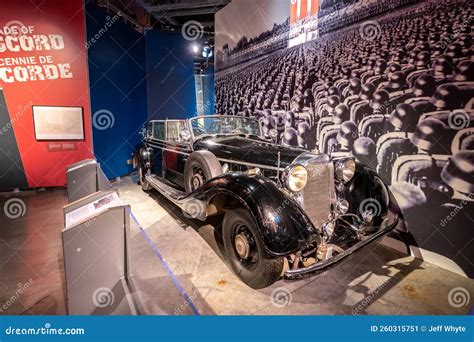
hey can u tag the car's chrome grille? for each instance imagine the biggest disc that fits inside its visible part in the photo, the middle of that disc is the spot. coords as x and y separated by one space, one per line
319 194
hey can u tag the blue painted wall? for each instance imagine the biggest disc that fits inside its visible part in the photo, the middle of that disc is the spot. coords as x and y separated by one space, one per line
171 89
208 90
118 88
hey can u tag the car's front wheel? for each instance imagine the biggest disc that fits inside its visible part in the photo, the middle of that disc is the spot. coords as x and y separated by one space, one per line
200 167
245 250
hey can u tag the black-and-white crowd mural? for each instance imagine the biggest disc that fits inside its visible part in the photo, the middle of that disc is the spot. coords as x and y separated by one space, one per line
389 81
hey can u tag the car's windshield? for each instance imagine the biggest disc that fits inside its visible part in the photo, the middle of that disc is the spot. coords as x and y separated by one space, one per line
224 125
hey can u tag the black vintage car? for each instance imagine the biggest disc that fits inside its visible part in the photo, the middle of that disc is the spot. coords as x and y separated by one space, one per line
285 210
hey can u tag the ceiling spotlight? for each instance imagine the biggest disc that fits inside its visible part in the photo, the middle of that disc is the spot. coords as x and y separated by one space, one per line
195 48
206 52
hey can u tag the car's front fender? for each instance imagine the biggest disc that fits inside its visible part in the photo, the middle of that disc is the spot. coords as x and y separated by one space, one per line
281 222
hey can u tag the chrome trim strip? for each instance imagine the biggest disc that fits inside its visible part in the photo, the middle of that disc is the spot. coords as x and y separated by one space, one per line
170 150
250 164
273 168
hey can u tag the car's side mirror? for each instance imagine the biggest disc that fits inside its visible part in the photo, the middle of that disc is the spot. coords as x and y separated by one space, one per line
185 135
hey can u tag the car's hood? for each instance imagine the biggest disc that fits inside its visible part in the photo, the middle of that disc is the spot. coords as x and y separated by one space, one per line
248 150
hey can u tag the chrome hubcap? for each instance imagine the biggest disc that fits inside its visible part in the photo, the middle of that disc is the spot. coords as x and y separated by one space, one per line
242 245
197 180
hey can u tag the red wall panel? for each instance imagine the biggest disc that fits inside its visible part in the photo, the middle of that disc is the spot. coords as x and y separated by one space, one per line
44 166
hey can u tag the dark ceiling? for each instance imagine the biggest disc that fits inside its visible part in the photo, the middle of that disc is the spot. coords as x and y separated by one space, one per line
178 12
171 15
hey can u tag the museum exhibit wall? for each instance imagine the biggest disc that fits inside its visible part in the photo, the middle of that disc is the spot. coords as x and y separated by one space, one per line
99 59
118 88
390 82
170 81
52 72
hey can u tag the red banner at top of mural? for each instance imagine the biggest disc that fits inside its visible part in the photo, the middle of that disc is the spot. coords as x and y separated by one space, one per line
301 9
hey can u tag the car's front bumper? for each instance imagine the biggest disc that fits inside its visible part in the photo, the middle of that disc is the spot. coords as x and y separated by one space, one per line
389 223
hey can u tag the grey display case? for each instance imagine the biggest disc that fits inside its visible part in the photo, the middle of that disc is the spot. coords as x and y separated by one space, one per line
96 255
85 178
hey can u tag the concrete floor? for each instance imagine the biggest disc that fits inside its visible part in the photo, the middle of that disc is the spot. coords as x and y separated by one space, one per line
377 280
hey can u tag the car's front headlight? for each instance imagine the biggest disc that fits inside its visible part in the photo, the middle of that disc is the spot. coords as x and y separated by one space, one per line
345 169
296 178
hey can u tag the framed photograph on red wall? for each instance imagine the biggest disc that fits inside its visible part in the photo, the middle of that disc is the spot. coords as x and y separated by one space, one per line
58 123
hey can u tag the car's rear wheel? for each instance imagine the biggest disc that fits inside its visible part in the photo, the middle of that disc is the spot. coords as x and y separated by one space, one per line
142 180
200 167
245 250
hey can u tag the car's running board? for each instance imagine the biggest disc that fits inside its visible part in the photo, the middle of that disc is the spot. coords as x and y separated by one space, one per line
191 206
168 191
